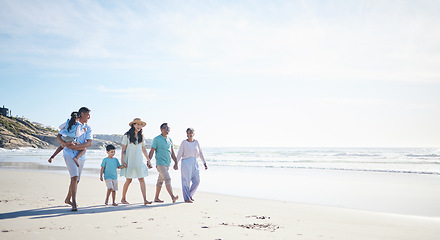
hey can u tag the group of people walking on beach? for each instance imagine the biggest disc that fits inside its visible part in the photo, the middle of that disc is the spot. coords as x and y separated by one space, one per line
76 136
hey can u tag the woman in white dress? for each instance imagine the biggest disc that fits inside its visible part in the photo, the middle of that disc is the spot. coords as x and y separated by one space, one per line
133 146
189 151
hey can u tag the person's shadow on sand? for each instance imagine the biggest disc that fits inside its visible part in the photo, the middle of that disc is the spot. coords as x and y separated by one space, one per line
58 211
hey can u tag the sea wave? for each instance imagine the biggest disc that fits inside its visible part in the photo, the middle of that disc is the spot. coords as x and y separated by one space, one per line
356 155
410 160
424 155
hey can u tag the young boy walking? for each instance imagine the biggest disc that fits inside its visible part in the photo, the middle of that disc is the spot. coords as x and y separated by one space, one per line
109 168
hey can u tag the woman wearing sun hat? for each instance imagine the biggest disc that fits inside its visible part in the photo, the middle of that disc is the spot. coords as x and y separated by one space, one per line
133 146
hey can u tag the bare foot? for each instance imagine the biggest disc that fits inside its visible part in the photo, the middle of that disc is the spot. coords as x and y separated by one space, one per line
115 204
50 160
68 202
147 202
106 202
76 162
189 201
175 198
158 200
123 201
74 207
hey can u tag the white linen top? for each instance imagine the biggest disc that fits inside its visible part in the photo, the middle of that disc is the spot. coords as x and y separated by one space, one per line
190 149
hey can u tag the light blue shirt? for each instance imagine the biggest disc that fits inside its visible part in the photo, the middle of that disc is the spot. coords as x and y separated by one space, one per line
163 150
110 166
80 139
72 131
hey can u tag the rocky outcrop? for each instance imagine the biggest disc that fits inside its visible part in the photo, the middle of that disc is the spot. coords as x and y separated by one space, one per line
19 133
101 144
108 137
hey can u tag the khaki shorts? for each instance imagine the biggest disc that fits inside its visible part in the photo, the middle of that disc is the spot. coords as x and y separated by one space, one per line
112 184
164 175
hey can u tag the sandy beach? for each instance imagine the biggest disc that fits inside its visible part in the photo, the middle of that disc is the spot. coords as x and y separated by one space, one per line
31 207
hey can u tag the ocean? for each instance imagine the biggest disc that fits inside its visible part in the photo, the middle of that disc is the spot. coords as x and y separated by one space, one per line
374 179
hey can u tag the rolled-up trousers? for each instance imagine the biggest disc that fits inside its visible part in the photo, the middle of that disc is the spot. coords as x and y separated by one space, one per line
190 177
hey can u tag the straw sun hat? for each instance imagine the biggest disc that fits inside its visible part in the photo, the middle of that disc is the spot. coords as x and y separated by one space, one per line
137 120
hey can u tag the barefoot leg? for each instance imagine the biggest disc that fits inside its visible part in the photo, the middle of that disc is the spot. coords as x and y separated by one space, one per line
109 191
124 191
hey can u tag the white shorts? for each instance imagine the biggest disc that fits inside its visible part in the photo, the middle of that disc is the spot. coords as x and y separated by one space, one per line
112 184
71 166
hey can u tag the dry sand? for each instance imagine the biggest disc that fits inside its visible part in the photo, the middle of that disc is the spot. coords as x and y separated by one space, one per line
31 207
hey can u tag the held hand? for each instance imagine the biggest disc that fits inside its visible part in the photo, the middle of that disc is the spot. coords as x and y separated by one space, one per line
124 164
149 165
176 166
206 167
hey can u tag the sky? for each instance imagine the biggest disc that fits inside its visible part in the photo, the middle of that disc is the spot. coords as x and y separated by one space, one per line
293 73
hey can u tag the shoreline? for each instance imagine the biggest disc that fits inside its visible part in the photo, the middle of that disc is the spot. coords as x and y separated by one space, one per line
31 207
383 192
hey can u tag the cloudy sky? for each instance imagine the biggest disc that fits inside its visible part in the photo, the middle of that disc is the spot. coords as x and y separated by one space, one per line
242 73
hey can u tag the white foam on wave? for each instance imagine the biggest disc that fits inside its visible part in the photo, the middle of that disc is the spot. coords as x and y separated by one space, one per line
409 160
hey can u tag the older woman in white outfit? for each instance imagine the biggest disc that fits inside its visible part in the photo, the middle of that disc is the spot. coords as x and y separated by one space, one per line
189 151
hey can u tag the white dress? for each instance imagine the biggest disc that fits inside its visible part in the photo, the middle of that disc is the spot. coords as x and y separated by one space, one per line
136 166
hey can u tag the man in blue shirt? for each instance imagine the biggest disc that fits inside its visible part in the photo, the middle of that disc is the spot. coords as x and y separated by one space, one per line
71 150
163 146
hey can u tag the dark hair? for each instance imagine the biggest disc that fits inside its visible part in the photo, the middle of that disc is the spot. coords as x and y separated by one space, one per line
109 147
163 124
190 129
83 110
72 121
131 136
